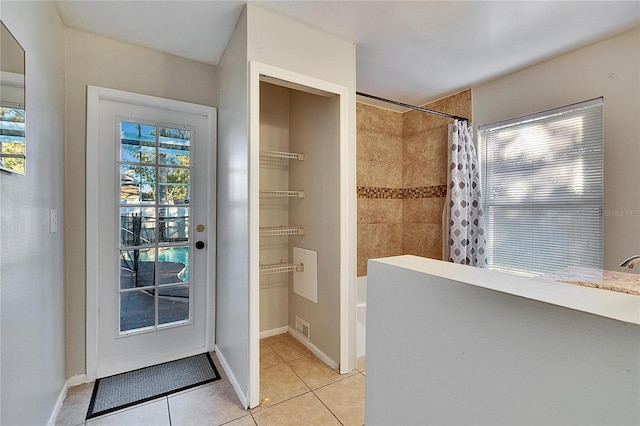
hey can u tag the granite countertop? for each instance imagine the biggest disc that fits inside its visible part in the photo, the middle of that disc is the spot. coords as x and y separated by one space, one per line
623 282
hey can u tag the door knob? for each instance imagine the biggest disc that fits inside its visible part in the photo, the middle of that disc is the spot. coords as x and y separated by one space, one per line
200 245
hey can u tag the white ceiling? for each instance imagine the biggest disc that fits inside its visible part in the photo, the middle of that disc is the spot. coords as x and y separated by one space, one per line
411 51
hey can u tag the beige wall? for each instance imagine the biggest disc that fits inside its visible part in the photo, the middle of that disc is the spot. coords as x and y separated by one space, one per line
98 61
315 131
274 174
294 121
32 353
402 159
610 69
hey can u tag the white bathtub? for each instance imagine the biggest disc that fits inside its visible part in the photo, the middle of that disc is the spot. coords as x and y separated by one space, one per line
361 315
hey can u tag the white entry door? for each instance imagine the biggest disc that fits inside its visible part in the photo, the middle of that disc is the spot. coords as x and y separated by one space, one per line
155 231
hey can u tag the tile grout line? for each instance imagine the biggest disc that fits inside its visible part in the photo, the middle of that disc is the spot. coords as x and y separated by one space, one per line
312 391
340 379
168 409
280 402
329 384
294 372
325 406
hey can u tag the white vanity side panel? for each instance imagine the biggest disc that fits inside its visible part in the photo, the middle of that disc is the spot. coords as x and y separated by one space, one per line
455 352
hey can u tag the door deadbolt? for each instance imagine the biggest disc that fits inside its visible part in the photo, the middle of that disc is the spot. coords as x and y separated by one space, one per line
200 228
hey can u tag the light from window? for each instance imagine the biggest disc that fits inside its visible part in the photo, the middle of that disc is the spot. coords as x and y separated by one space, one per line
543 190
12 140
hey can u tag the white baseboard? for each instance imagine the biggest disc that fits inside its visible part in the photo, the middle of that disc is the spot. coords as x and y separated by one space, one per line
232 379
69 383
58 406
274 332
313 348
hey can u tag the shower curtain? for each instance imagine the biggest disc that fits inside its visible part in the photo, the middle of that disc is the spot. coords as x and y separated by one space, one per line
463 222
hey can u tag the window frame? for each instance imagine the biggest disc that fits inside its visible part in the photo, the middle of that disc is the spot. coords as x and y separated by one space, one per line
575 266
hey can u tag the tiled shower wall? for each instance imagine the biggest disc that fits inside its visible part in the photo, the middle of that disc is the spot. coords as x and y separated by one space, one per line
401 178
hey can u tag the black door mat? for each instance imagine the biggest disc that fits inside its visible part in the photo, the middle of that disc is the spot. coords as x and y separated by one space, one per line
134 387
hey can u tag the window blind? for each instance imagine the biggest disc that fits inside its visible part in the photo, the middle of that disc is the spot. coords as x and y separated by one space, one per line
543 190
12 139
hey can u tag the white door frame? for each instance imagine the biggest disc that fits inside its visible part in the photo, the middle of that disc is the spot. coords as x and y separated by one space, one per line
94 96
258 71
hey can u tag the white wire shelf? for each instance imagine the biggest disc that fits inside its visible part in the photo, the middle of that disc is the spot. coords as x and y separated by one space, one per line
279 268
281 230
283 155
281 194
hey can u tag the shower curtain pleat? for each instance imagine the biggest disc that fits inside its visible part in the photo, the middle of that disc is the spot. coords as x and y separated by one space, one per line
463 222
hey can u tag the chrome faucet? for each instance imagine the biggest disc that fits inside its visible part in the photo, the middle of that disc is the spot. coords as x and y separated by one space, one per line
630 262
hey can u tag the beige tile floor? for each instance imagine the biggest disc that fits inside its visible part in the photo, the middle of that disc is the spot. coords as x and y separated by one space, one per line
295 389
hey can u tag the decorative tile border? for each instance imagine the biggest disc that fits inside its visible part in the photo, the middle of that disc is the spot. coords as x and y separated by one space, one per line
438 191
377 192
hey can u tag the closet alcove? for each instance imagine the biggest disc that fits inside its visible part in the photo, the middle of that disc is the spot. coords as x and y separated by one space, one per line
299 216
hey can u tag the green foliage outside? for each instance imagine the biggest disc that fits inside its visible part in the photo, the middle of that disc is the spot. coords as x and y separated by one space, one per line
12 115
177 176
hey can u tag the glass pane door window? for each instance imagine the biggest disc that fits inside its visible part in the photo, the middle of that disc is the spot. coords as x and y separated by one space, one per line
155 242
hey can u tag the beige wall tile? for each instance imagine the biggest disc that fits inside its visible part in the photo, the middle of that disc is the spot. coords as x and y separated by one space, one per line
378 240
393 122
422 152
424 173
378 119
412 172
381 239
412 123
432 121
439 105
363 117
378 147
460 104
436 173
422 210
374 146
362 266
378 174
437 143
415 148
434 211
423 240
379 210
